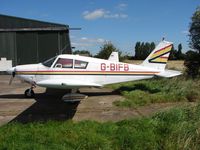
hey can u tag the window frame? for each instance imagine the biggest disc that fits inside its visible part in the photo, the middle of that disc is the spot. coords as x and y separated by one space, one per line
80 66
70 67
54 59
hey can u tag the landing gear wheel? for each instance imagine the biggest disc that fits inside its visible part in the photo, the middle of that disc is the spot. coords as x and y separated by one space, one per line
29 93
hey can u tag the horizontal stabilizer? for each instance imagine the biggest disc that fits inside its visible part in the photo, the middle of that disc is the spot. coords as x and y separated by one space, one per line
169 73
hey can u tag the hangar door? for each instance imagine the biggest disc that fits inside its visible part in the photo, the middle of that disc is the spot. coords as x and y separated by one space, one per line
35 47
7 45
47 45
26 47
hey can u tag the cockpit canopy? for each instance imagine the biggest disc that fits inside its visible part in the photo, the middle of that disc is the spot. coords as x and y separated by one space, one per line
65 63
49 62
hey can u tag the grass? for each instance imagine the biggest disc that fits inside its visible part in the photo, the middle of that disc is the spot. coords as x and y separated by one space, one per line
178 128
160 90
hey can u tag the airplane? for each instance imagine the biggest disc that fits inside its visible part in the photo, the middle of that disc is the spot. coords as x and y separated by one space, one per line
68 71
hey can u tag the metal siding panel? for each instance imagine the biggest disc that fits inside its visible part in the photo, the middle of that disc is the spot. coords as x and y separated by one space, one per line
47 45
65 42
7 45
16 22
26 47
69 48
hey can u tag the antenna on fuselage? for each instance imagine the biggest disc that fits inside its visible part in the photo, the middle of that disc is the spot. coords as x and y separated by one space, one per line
62 50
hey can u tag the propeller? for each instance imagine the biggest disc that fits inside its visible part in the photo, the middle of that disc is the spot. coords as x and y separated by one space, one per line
12 71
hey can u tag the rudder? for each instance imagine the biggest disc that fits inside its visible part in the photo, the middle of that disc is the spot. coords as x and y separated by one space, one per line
159 56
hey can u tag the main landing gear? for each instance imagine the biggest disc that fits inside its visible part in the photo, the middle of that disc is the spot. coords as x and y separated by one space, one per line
29 93
74 96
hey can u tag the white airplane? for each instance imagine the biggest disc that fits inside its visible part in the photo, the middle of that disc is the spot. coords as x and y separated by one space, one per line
74 71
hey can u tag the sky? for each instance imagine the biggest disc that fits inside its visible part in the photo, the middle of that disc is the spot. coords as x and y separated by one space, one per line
122 22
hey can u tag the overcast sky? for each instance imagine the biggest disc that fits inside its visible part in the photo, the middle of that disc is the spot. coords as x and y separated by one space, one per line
123 22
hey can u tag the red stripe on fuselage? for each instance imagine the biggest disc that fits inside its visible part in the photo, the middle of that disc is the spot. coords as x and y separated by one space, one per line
91 71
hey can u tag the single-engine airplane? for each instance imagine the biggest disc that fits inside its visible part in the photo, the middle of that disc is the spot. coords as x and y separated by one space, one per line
74 71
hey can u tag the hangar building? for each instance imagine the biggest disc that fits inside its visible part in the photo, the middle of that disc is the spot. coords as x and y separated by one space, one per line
30 41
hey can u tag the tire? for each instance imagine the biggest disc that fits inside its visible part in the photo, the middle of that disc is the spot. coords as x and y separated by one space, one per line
29 93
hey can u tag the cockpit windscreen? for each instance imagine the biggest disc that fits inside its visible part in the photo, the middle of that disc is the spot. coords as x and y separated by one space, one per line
49 62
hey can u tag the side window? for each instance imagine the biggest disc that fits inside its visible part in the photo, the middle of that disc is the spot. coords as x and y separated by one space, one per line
64 63
80 64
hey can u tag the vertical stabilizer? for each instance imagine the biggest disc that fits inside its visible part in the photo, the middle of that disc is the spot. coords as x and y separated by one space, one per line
114 56
159 56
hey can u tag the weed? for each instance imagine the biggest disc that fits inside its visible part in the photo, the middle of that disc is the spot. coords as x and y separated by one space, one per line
177 128
158 90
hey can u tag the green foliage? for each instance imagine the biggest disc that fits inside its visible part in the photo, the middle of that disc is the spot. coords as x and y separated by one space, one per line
82 52
180 55
192 64
106 50
177 128
146 92
192 61
195 30
177 54
142 50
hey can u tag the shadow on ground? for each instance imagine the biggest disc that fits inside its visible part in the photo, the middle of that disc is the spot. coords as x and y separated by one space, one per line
49 106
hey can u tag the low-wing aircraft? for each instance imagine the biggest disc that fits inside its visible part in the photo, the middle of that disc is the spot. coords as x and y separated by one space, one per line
74 71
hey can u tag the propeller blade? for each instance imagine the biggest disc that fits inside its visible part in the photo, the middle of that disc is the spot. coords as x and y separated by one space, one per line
13 73
11 79
12 76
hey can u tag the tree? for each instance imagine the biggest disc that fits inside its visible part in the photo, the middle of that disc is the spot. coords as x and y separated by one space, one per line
176 54
106 50
152 46
179 54
137 50
142 50
179 47
192 61
173 54
195 31
82 52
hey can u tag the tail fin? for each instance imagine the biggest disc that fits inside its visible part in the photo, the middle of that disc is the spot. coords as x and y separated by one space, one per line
159 56
114 56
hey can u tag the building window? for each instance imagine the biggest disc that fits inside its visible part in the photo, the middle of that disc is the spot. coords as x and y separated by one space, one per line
79 64
64 63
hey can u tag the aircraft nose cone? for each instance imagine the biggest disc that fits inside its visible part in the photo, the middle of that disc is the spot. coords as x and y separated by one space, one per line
11 70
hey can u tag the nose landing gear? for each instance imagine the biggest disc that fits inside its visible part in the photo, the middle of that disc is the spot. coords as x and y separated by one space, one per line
29 93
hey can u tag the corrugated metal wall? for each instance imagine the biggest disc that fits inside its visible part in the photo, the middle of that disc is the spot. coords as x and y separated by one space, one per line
26 47
32 47
48 45
11 22
7 45
30 41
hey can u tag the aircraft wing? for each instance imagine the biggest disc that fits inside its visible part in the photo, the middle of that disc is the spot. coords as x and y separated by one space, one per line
65 83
